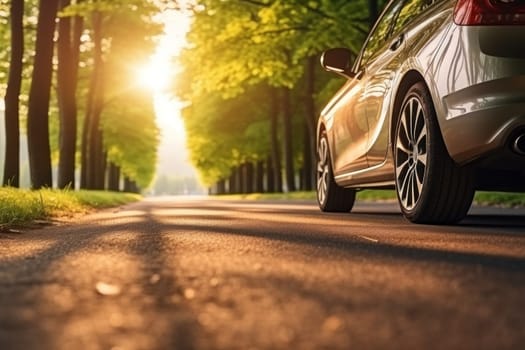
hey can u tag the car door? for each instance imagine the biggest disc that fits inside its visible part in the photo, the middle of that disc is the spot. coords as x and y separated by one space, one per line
382 71
349 128
348 116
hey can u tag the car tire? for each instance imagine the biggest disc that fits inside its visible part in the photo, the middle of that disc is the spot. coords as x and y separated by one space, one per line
431 188
330 196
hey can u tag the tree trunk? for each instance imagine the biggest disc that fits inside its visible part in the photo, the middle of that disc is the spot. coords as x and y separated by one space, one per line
248 175
84 150
221 187
12 97
306 174
128 186
259 177
105 165
311 118
136 188
101 184
235 181
39 94
287 132
244 179
93 159
70 31
113 177
275 144
270 179
231 183
238 180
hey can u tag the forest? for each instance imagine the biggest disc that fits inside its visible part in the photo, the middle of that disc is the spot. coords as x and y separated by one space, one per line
249 77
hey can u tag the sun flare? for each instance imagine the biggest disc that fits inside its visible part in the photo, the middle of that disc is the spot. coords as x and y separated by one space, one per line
155 75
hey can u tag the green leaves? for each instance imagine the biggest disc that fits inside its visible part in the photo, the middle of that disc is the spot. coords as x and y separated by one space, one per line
131 136
236 47
224 133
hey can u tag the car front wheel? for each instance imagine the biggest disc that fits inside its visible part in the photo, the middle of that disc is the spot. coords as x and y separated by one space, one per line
430 187
330 196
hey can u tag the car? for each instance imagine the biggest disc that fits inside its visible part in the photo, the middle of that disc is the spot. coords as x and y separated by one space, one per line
433 106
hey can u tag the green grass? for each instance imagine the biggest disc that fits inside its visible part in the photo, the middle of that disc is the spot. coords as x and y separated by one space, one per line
376 195
481 198
269 196
500 199
21 207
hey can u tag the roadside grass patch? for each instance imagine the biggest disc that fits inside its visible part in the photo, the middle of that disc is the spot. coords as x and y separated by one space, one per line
20 207
299 195
502 199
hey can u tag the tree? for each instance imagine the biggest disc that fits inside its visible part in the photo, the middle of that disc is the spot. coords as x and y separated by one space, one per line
110 24
310 115
280 44
69 33
119 20
92 162
287 115
131 136
225 134
12 115
39 96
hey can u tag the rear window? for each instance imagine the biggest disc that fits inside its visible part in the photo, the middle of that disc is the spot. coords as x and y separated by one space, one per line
410 10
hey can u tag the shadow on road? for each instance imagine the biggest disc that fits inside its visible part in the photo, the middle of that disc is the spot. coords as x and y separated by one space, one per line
43 307
153 294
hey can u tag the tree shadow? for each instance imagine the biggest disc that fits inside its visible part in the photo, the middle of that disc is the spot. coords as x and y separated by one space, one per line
26 321
177 327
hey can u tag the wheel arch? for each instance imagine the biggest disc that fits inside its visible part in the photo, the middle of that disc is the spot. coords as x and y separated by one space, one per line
410 78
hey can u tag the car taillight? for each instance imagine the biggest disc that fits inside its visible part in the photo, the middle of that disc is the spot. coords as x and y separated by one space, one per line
489 12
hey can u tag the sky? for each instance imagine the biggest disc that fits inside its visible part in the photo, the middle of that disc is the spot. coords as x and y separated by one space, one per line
173 156
172 153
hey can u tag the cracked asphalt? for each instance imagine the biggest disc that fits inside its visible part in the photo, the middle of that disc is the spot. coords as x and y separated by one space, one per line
199 273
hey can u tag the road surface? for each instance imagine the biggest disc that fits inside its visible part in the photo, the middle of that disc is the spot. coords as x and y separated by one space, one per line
196 273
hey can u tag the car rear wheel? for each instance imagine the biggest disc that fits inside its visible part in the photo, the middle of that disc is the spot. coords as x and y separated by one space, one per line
430 187
330 196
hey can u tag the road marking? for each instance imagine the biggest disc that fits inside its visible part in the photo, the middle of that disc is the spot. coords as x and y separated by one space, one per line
369 239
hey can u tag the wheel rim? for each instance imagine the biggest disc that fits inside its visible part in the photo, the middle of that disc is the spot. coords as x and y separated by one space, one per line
411 153
322 170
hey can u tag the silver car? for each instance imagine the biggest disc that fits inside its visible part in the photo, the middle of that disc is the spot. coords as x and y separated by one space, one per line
433 106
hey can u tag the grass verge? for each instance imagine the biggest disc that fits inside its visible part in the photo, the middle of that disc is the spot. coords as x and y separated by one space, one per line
482 198
21 207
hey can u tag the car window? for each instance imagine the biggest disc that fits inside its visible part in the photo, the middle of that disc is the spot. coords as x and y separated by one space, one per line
381 32
410 9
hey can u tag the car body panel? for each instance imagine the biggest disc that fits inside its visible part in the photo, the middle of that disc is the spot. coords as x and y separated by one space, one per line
381 75
347 128
480 98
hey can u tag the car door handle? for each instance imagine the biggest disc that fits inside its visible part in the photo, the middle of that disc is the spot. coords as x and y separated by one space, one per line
397 43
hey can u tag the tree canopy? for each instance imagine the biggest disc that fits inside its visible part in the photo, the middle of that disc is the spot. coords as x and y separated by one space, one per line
242 49
114 111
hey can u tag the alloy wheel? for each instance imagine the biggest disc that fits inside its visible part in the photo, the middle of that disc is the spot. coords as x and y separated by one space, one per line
322 170
411 153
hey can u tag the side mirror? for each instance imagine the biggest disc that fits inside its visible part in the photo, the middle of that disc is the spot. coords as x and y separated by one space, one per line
339 61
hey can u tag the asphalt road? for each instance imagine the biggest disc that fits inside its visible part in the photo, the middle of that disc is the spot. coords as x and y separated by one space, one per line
182 273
